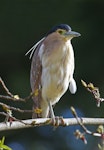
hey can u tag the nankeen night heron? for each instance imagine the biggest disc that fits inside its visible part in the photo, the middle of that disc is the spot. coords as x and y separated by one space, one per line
52 69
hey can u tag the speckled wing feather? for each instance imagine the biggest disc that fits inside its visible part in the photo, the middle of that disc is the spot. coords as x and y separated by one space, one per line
35 81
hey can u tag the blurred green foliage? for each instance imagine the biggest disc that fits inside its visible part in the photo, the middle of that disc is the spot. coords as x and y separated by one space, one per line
24 22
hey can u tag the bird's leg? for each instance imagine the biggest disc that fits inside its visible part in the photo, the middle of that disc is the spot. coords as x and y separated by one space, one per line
51 109
52 114
55 119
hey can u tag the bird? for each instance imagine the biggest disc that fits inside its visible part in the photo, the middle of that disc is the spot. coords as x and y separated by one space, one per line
52 69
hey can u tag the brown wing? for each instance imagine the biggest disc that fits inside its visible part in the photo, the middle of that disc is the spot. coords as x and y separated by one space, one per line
35 81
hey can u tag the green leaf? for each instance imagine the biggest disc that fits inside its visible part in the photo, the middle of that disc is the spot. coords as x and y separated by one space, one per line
5 147
2 141
2 146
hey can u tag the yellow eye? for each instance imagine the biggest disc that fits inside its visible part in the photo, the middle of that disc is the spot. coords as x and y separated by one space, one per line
60 31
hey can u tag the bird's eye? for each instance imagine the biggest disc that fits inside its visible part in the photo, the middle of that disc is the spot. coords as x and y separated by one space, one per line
60 31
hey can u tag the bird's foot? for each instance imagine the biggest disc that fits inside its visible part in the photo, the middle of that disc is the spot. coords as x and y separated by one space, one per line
57 121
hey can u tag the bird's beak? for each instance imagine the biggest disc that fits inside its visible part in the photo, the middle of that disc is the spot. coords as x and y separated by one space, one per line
72 34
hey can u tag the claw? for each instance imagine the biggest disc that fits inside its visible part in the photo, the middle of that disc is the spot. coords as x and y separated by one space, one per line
57 121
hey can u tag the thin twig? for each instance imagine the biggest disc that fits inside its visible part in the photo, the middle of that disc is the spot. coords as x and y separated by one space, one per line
10 119
95 92
10 96
7 107
5 88
80 121
16 98
80 135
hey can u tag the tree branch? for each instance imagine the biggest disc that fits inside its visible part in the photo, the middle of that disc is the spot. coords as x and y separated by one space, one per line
47 121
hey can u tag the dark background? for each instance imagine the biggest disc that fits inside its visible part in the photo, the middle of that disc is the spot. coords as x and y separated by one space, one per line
24 22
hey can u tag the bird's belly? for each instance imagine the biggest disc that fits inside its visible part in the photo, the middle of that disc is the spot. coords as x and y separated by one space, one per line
55 81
